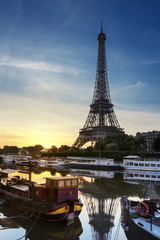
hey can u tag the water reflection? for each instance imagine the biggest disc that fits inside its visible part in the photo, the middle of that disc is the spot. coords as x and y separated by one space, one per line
41 230
100 192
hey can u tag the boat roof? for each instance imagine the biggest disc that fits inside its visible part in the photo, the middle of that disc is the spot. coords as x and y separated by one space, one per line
21 187
9 170
132 156
61 178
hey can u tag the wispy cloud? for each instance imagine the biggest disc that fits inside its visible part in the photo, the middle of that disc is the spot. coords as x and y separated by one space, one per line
38 66
137 85
150 62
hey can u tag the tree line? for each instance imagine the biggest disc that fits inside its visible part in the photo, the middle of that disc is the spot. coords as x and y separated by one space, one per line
115 146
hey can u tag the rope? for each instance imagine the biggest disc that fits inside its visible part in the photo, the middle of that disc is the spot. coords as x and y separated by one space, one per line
25 235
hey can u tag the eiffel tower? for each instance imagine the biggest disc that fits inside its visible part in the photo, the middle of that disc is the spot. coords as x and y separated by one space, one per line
101 120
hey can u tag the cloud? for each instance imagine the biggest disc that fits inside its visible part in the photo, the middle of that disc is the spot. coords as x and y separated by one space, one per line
138 84
48 121
138 121
150 62
38 66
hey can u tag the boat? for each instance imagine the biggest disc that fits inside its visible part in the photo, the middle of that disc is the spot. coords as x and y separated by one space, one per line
93 163
141 219
26 160
41 230
56 200
141 176
42 163
133 162
8 158
57 162
91 173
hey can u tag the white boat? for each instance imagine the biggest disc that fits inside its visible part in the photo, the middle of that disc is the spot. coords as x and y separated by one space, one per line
141 176
25 160
133 162
57 162
141 220
92 173
42 163
93 163
9 158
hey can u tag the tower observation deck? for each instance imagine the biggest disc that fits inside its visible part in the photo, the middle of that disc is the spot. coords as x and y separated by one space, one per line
101 120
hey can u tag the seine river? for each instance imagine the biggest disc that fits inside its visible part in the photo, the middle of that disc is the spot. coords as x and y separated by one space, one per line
100 192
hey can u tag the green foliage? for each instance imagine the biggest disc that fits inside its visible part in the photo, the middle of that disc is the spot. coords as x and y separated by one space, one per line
120 143
156 144
111 147
10 149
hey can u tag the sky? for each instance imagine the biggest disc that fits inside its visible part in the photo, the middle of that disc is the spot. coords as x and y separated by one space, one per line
48 58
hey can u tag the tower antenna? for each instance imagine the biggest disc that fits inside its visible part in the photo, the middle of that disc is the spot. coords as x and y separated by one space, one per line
101 26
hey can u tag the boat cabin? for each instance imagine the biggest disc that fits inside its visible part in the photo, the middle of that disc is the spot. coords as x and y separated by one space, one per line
55 189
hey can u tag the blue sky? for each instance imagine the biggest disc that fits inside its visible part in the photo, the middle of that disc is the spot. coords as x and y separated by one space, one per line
48 56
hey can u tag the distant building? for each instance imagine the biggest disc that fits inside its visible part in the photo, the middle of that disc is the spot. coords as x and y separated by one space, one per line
149 138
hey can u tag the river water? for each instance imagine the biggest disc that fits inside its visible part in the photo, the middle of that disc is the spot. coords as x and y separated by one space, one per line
100 192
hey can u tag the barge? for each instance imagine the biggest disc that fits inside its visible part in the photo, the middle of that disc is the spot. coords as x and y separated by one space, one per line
93 163
56 200
134 162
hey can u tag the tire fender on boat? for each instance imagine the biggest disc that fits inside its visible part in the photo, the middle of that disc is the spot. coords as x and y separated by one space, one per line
144 213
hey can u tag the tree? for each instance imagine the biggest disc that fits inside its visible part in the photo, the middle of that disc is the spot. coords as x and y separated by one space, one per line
111 147
53 149
156 144
10 149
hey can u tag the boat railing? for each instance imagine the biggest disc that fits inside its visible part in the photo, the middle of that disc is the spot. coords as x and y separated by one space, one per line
9 194
151 219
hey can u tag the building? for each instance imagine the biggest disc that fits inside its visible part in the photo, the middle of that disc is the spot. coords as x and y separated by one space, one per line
149 138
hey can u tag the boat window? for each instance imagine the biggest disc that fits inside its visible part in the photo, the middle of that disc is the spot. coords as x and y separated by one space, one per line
68 183
135 164
153 176
131 164
74 182
153 165
148 176
158 165
141 164
146 165
61 183
136 175
141 175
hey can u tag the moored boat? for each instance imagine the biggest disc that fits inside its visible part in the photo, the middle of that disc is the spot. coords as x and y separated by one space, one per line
133 162
56 200
93 163
57 162
141 220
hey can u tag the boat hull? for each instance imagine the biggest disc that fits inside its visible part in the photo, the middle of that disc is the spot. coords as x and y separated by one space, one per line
46 211
131 229
115 167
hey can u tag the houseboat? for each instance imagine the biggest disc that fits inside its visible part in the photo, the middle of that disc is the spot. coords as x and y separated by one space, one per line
133 176
133 162
57 163
93 163
41 230
26 160
91 173
56 200
141 220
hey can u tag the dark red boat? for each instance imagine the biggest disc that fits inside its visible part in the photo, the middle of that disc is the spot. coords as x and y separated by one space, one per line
56 200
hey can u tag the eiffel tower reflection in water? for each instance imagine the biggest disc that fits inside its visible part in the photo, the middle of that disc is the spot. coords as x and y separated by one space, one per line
101 210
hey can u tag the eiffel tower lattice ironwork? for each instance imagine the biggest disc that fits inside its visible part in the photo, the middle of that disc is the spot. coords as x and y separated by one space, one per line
101 120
